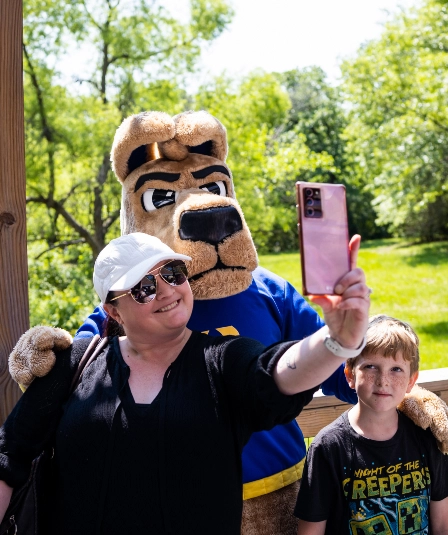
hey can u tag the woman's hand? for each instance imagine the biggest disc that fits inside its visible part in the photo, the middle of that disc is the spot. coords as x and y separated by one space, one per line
347 314
307 363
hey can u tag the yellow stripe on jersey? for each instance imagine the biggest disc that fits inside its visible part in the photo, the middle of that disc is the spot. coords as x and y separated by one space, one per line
274 482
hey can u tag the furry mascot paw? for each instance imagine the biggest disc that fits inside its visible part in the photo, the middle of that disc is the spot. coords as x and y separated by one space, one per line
426 409
33 356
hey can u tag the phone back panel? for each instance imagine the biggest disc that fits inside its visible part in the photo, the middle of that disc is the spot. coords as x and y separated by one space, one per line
324 250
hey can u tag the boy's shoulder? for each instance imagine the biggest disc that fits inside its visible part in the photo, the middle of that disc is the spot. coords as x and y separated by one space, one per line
423 436
341 426
339 435
339 431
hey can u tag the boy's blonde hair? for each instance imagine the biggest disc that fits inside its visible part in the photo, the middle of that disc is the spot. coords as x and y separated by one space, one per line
389 336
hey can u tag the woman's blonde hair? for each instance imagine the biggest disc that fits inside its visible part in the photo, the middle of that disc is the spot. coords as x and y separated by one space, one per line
389 336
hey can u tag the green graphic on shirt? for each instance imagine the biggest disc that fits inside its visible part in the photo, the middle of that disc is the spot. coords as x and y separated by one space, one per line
390 516
371 526
409 515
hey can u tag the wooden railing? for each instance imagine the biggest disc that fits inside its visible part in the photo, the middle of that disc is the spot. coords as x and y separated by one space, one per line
324 409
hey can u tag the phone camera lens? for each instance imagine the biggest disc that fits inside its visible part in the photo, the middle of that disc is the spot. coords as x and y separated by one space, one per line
309 192
310 212
309 202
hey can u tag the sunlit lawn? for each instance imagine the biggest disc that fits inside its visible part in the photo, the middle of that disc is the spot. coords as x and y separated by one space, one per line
409 281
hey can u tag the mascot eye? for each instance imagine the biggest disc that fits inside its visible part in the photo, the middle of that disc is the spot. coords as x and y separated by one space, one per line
218 188
153 199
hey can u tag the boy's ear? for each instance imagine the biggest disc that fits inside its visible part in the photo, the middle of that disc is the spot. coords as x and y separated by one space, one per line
350 376
412 381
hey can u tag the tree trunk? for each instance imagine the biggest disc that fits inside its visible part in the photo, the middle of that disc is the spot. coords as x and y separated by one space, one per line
14 312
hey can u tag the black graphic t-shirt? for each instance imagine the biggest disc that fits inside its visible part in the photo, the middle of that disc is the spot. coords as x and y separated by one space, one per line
367 487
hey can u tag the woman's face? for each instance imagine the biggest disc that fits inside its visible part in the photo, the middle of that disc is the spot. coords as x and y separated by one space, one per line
169 311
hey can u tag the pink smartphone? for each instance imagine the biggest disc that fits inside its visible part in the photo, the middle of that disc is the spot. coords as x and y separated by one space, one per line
323 235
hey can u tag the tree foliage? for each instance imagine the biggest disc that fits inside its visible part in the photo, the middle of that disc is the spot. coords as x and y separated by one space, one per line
384 133
137 50
138 54
398 131
266 160
317 113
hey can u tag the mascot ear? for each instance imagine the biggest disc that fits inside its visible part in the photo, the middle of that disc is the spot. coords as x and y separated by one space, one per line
136 141
201 133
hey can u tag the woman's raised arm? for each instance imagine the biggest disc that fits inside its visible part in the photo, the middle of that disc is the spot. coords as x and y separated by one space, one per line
309 362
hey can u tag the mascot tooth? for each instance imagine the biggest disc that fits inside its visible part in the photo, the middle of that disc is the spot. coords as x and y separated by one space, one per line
178 187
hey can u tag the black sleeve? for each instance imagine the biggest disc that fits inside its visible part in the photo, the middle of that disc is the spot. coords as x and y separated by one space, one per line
318 489
30 427
438 463
248 375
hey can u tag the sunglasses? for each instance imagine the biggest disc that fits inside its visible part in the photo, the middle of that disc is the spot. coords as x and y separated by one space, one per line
173 273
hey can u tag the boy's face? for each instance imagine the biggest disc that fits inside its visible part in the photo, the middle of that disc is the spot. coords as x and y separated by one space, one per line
381 382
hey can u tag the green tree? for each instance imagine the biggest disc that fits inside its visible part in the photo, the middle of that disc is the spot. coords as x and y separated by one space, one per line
138 55
265 160
317 112
398 131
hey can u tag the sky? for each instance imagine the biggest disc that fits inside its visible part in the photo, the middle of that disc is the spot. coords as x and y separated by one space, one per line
278 35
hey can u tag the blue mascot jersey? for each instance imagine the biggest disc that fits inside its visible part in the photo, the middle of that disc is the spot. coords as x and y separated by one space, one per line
270 310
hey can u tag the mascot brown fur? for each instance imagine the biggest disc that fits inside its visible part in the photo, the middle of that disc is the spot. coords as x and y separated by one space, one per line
177 186
183 160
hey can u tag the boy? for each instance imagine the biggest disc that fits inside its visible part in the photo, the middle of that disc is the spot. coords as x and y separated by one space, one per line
372 471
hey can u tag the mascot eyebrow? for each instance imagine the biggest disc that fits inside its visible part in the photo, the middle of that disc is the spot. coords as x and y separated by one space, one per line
167 177
202 173
172 177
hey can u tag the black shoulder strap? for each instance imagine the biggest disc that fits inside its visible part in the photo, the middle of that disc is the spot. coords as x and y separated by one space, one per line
95 347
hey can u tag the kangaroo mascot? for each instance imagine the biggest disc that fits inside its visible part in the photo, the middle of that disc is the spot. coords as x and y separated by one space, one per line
178 187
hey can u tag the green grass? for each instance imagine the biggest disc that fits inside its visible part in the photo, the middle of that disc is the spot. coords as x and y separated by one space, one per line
409 282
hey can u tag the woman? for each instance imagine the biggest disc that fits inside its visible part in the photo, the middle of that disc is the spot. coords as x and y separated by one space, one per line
150 441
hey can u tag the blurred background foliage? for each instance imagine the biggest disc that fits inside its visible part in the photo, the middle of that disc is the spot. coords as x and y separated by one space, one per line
383 132
408 281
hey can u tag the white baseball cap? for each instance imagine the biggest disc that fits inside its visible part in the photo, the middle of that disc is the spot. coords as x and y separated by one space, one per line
126 260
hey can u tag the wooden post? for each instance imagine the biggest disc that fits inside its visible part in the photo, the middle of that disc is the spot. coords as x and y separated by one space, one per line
14 311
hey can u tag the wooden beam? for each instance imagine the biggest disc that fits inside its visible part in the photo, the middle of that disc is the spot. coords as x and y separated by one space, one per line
14 311
324 409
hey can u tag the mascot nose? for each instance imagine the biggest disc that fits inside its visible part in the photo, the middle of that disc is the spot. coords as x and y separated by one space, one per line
211 225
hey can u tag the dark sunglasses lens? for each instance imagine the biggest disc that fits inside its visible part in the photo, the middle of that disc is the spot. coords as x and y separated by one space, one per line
145 291
174 273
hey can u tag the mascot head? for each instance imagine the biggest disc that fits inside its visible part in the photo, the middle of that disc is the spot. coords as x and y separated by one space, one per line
177 186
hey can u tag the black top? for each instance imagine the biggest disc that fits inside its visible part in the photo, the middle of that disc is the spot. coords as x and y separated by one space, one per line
172 467
137 509
368 486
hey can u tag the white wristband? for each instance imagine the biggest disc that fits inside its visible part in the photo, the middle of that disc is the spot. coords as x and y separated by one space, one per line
335 347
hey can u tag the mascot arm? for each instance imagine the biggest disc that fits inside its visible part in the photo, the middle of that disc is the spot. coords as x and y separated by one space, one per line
426 409
33 356
93 325
336 385
423 407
